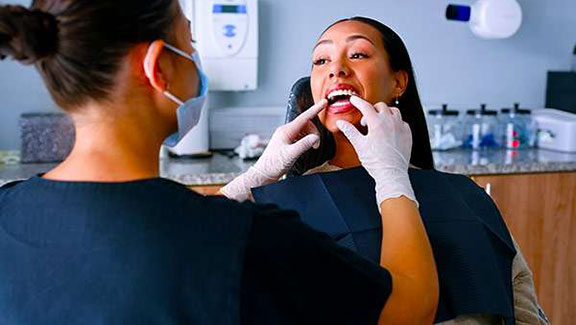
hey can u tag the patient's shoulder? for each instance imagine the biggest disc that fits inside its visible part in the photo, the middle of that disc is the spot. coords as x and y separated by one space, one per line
443 179
324 168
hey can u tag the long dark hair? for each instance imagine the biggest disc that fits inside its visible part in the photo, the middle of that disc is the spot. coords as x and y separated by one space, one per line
78 45
409 104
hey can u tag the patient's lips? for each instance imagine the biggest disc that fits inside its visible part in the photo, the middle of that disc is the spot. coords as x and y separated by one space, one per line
339 99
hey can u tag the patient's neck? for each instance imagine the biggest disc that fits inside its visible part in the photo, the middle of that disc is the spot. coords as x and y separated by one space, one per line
345 156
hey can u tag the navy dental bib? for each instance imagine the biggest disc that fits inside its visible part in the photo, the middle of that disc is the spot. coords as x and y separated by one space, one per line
471 243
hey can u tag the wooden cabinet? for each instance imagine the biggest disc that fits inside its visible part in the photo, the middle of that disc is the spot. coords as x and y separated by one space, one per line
540 210
206 190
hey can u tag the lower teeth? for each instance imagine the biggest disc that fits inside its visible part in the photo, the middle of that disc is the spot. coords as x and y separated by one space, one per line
340 103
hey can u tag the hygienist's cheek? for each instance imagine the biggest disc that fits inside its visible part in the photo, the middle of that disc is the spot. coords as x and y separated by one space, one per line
187 79
193 80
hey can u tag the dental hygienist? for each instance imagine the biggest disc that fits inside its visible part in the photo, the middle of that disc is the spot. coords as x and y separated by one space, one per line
101 239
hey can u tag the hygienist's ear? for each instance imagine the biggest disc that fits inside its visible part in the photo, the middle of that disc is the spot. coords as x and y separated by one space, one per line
401 78
152 66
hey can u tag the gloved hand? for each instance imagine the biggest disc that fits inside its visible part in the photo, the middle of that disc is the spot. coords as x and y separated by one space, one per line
385 151
287 144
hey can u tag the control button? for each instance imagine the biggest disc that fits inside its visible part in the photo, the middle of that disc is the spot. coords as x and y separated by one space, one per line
230 31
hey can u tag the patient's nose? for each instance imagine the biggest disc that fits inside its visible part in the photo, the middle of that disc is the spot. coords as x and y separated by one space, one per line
339 70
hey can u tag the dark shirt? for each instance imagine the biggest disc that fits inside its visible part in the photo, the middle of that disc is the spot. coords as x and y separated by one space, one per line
153 252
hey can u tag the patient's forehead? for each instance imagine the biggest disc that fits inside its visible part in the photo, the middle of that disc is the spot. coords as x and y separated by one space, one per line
343 30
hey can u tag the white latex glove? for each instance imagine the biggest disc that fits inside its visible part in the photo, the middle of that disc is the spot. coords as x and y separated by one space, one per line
287 144
385 151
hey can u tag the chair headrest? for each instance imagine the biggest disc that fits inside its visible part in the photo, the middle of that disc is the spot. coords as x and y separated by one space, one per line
300 98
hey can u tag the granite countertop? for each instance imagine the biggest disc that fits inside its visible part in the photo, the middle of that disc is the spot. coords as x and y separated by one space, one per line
221 169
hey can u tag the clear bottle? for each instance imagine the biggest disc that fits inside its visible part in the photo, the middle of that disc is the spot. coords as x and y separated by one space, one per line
516 128
482 129
444 128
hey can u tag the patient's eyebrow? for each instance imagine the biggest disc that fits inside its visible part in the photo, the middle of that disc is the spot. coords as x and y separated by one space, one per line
351 38
326 41
357 37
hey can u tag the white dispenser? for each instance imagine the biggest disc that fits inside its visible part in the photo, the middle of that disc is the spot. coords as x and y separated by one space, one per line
489 19
226 34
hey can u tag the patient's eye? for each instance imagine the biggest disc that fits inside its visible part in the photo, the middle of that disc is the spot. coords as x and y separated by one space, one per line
320 61
359 55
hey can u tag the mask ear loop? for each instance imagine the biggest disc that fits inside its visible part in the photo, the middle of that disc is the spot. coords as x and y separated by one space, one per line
179 51
149 73
185 55
172 97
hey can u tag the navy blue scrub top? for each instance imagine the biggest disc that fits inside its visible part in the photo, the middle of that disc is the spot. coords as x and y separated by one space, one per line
154 252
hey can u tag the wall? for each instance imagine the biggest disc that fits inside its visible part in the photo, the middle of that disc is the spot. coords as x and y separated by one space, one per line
452 65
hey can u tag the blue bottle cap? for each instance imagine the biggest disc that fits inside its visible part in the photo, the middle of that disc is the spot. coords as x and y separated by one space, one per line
458 12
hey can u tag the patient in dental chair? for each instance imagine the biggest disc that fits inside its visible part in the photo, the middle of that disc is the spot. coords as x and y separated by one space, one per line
484 279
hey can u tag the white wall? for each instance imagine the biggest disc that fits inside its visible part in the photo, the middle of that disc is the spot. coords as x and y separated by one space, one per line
452 65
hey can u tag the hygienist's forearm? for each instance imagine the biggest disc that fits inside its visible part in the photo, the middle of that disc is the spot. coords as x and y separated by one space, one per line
288 143
407 255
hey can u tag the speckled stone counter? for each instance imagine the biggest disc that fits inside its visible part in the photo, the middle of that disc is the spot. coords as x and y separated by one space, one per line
501 162
221 169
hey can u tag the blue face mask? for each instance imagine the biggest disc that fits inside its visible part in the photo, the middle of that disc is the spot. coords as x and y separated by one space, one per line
188 114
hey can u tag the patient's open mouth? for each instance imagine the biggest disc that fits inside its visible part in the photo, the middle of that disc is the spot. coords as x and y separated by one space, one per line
339 99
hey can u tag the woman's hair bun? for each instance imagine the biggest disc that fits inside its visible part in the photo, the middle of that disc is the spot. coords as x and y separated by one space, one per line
27 35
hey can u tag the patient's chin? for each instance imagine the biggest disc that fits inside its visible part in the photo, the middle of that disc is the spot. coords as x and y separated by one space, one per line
330 124
332 128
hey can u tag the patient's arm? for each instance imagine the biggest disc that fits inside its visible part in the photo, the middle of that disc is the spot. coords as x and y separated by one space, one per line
526 307
385 154
407 254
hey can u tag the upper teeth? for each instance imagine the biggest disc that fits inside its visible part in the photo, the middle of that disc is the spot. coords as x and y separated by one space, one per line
341 92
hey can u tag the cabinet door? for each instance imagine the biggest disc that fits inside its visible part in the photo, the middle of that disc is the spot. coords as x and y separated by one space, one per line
540 210
206 190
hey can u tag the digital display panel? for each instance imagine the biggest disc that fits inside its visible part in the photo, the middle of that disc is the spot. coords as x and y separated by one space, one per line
229 9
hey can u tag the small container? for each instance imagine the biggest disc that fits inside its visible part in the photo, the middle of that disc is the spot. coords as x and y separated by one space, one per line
482 129
444 128
517 128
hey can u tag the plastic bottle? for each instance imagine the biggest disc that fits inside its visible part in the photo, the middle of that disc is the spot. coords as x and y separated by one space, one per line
516 127
482 129
445 129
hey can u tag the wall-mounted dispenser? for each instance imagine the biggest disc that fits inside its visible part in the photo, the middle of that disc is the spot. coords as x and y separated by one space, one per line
489 19
226 34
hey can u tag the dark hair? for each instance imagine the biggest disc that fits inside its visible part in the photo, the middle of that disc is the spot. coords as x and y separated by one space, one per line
409 105
78 45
